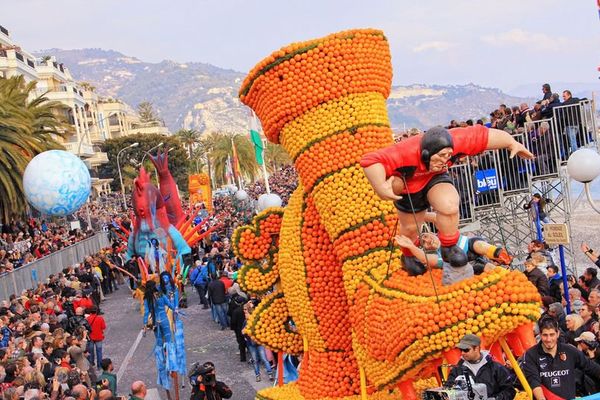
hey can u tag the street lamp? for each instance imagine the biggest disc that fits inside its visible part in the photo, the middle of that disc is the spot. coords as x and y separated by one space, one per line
584 166
148 152
121 175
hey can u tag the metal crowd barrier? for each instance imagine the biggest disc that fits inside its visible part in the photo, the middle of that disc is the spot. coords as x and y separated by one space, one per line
512 172
28 276
574 126
485 181
462 176
486 188
543 140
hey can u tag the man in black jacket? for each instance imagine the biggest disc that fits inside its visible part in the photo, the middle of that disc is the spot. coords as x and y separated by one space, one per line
205 385
218 301
481 368
550 367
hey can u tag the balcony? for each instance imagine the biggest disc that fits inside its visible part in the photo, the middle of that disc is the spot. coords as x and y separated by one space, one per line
67 95
87 150
99 158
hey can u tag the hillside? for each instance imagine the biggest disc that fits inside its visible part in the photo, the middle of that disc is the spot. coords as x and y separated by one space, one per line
204 97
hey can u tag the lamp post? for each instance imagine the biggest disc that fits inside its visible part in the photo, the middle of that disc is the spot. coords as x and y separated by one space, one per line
148 152
121 175
584 166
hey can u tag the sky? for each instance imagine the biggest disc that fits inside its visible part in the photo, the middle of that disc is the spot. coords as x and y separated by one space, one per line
501 44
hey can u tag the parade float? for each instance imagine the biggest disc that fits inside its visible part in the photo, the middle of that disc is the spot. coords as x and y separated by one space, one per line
333 286
160 241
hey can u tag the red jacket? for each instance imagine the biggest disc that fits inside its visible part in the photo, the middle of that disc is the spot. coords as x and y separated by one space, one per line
407 153
98 326
84 302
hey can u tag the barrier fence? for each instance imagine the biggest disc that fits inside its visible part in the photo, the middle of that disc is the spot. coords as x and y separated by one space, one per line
30 275
485 180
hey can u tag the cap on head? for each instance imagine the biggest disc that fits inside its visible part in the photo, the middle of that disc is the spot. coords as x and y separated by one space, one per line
433 141
586 337
469 341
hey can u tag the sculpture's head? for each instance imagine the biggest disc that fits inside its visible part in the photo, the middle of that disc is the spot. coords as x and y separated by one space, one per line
147 201
437 149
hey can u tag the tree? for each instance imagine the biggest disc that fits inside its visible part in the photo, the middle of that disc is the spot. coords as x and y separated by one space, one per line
146 112
189 138
27 128
221 148
88 87
276 157
131 158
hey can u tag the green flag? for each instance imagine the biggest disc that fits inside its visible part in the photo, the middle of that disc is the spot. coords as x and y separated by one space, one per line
259 147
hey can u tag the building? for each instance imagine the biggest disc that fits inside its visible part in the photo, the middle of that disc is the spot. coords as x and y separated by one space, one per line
75 105
14 61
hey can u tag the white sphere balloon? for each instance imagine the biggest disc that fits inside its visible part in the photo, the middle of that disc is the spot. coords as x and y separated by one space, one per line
584 165
259 202
56 183
268 200
231 188
241 195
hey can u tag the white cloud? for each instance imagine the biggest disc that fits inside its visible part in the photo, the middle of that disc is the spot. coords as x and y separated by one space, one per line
519 37
436 45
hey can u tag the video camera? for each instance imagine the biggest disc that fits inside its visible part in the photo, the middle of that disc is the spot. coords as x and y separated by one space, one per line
206 371
463 389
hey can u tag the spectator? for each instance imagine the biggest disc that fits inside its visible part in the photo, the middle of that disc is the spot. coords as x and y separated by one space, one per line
575 327
96 336
257 352
549 105
594 298
218 300
238 322
205 385
481 368
547 91
588 344
554 281
138 391
107 378
536 276
590 254
199 279
590 319
556 311
539 246
550 366
570 125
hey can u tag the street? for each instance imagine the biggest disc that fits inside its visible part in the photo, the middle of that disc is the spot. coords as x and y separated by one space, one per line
203 338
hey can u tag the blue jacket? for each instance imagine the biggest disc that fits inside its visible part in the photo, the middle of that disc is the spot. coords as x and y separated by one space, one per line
199 276
5 332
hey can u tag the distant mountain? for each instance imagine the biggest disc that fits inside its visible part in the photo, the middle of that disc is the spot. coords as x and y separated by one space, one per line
204 97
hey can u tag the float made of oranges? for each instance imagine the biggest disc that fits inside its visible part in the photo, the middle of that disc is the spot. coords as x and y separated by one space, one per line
340 274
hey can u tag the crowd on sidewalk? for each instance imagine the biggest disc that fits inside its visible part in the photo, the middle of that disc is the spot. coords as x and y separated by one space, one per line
51 336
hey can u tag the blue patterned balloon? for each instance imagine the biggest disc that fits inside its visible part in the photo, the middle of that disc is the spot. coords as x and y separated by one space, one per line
56 183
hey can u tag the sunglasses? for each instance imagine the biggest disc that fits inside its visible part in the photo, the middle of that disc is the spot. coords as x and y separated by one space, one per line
466 350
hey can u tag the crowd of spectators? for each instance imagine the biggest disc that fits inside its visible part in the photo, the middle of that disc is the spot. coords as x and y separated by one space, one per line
537 121
282 182
23 242
51 336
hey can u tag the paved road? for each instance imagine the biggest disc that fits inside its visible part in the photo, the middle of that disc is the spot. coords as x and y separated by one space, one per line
204 342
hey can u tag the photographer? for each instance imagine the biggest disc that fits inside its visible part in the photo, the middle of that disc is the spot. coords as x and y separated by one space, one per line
203 380
481 368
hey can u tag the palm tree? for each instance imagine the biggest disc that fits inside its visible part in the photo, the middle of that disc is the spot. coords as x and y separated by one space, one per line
189 138
27 128
221 148
276 157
